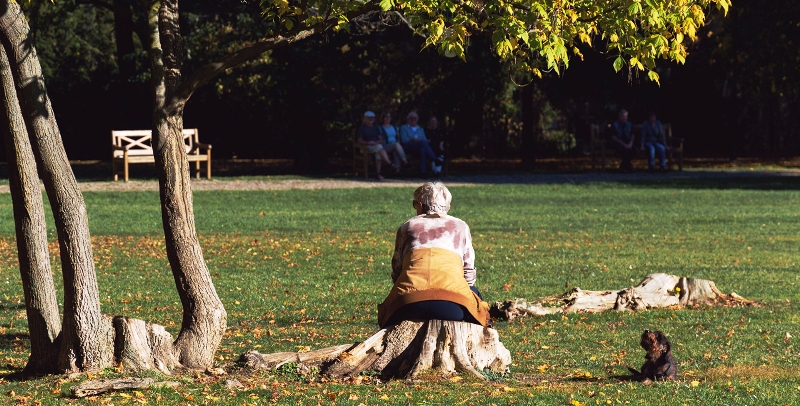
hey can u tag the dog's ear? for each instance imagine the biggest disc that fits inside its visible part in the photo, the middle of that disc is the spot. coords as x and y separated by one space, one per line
663 341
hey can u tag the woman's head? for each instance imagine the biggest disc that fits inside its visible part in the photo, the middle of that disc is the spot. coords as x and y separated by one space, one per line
432 197
386 118
433 122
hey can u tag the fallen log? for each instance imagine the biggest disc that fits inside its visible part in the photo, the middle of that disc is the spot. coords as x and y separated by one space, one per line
403 351
98 386
658 290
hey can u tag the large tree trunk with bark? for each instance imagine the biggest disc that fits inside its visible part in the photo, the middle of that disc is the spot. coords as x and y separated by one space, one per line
403 351
44 323
87 341
204 317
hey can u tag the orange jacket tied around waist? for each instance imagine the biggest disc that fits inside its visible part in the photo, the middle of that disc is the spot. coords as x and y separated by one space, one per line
432 274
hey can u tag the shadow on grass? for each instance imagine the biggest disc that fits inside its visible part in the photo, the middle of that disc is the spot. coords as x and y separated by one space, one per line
724 181
12 341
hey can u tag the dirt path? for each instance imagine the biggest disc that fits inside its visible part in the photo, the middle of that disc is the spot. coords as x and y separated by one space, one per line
348 183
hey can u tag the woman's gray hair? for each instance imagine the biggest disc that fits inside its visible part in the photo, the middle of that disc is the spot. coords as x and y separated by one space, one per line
434 197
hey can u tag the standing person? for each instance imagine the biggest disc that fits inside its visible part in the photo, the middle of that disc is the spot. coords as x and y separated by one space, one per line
391 141
622 140
654 140
370 135
433 267
436 140
412 137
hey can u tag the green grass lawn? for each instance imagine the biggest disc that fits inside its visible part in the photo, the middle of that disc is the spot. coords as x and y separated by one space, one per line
302 269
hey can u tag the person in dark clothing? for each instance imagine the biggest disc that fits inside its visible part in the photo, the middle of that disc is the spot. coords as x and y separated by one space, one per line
413 139
654 141
436 140
622 140
370 135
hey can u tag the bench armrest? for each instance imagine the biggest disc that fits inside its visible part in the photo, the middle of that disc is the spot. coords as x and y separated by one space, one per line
201 145
118 148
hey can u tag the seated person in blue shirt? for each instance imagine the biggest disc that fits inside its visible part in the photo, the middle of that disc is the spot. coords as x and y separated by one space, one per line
412 137
654 140
370 135
391 141
622 140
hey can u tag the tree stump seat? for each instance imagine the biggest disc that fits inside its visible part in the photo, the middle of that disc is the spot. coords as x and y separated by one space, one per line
403 351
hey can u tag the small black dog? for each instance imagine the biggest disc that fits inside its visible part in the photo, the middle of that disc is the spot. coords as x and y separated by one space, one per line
660 364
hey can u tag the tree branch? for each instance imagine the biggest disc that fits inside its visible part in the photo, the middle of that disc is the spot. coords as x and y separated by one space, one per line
98 3
208 71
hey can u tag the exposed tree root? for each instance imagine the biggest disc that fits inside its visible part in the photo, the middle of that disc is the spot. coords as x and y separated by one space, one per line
403 351
657 290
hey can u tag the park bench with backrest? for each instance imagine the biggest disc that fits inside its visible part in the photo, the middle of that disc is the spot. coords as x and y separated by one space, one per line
135 147
362 158
600 144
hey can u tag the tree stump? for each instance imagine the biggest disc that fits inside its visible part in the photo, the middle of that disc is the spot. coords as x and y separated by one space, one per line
139 346
403 351
658 290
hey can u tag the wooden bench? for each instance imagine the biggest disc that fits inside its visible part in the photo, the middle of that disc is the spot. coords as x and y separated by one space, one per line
135 147
362 159
599 144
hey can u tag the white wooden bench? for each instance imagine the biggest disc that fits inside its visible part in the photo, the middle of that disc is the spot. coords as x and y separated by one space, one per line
135 147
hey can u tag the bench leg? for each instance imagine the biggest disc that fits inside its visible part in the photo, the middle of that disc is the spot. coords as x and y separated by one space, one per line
366 165
125 170
603 160
208 166
114 169
197 170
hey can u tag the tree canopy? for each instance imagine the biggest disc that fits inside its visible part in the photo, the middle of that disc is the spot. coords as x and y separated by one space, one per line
534 35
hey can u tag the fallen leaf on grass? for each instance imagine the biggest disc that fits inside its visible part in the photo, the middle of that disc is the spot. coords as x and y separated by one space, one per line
694 383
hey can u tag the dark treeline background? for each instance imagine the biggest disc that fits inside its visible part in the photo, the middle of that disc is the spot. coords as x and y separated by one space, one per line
738 94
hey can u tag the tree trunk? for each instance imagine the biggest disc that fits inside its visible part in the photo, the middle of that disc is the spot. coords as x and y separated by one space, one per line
204 317
530 124
44 323
87 341
123 38
403 351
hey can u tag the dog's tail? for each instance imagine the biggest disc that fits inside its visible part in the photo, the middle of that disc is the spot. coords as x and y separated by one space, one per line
635 372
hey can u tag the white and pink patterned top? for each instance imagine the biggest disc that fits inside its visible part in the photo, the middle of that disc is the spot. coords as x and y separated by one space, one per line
435 231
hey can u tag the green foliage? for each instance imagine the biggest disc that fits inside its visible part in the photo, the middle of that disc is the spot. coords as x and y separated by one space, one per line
532 34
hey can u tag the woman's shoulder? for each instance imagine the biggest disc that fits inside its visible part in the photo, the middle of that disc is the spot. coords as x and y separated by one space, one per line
458 221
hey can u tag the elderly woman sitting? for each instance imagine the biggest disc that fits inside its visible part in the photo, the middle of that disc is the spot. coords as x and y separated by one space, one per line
433 267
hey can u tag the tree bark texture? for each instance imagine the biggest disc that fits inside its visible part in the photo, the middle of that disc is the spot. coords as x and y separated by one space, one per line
658 290
403 351
204 317
87 341
44 322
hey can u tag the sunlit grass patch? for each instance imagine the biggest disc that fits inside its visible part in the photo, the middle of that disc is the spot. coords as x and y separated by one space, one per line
305 269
